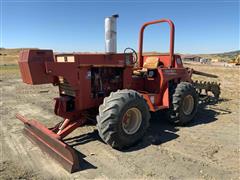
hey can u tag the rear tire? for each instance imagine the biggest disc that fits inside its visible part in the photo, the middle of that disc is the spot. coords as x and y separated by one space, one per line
123 118
183 104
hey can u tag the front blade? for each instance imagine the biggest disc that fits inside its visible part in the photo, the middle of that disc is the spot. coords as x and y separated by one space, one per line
48 142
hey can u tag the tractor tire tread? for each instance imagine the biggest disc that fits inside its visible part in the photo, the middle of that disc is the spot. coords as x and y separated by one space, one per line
109 114
175 115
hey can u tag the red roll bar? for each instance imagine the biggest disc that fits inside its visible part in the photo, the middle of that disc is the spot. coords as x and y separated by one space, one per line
171 39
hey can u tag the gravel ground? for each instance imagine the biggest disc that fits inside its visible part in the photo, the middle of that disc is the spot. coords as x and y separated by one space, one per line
208 148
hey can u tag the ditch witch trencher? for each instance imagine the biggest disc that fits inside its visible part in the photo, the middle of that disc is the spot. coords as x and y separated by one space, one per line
122 87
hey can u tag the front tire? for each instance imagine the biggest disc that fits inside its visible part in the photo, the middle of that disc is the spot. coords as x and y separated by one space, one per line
183 104
123 118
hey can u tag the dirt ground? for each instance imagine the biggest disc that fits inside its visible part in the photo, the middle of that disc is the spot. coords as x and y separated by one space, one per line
208 148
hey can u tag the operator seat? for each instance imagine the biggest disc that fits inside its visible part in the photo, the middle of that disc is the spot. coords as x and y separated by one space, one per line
149 64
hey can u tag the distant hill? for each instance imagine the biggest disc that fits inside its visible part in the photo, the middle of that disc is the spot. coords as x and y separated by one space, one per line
9 51
10 56
231 53
226 56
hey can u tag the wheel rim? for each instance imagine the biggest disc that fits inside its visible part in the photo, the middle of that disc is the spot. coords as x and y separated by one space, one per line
132 120
188 105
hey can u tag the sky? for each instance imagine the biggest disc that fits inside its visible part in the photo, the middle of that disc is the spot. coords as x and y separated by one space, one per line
75 25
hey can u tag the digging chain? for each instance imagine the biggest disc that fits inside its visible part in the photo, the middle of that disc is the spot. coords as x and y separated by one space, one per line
207 90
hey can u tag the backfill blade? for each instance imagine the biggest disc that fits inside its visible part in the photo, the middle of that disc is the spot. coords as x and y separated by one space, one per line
49 143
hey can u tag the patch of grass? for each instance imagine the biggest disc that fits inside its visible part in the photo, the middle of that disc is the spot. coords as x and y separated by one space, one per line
9 69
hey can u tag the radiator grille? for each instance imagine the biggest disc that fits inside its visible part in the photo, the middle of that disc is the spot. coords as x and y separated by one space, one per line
65 88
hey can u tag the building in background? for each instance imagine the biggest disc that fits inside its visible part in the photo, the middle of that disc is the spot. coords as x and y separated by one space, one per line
191 58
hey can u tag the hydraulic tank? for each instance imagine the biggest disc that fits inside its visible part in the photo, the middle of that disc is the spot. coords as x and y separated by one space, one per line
32 66
111 34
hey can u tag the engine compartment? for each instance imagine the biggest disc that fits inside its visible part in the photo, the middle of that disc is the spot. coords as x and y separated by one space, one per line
105 80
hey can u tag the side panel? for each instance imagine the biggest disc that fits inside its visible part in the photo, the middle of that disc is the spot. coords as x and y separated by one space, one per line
157 96
178 74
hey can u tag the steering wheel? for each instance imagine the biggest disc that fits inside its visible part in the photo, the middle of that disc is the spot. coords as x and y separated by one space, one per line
135 57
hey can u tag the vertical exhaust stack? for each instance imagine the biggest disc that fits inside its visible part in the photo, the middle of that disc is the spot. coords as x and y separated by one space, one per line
111 34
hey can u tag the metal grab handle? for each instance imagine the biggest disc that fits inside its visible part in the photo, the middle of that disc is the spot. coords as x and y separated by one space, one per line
172 30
